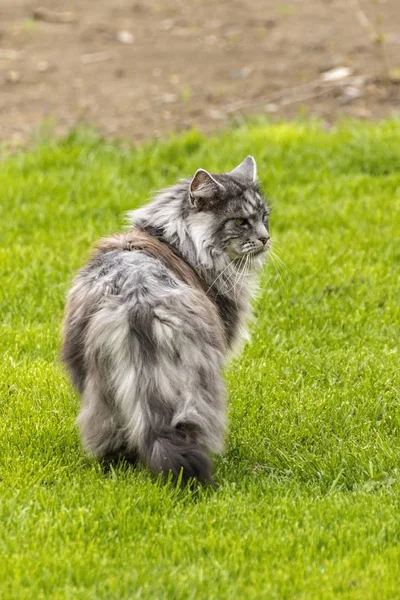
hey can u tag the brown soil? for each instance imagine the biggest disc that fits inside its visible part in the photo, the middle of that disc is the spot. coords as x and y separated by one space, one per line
140 68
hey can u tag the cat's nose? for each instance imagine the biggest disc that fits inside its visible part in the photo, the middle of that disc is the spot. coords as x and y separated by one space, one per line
264 239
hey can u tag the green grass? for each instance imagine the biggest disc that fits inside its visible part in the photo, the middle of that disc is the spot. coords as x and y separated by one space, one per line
308 504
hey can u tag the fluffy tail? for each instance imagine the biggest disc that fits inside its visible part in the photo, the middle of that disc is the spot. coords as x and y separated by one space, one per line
174 450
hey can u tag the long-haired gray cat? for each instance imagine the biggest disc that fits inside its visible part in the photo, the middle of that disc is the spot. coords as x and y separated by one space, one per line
152 316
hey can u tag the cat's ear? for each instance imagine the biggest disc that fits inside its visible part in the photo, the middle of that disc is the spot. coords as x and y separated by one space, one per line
203 188
246 170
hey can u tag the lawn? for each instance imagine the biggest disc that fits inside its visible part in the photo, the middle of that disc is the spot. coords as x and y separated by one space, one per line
308 498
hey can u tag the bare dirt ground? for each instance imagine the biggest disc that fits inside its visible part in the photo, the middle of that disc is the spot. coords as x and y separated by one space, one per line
142 68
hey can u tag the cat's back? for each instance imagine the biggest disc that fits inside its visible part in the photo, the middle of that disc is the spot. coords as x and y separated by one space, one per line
121 279
122 273
128 292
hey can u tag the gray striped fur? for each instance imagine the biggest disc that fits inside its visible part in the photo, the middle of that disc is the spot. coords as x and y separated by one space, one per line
153 315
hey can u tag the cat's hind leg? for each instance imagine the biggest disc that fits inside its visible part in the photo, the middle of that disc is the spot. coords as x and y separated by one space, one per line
160 361
101 432
181 399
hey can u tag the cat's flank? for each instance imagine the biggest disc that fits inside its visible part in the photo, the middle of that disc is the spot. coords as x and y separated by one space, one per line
153 315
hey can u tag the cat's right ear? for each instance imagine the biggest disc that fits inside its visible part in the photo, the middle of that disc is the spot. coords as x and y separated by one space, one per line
203 188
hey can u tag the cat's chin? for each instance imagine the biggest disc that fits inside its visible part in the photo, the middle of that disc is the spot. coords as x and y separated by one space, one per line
250 260
258 259
239 257
257 253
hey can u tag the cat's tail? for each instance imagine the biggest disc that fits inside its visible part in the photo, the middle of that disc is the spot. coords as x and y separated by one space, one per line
173 450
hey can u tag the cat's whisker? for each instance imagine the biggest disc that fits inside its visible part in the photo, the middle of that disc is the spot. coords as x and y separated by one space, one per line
229 277
276 263
235 282
279 275
285 267
241 278
220 275
275 254
241 281
281 272
237 274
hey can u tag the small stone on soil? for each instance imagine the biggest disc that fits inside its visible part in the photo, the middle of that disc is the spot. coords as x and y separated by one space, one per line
13 77
336 74
125 37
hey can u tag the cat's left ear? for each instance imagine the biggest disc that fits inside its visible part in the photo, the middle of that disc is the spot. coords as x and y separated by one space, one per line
204 188
246 170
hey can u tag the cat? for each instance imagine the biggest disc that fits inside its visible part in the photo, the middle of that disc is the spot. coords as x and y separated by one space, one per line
152 317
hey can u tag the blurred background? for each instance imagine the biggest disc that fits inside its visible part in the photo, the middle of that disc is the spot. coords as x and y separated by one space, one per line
143 68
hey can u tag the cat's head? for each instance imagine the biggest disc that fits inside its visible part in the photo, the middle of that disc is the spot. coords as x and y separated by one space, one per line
228 214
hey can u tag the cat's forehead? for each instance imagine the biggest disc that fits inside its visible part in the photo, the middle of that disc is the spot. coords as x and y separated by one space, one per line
240 196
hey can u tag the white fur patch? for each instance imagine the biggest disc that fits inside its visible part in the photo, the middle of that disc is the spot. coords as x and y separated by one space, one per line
200 226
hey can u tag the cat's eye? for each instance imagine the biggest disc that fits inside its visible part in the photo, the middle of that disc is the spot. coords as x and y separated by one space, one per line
240 221
265 218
